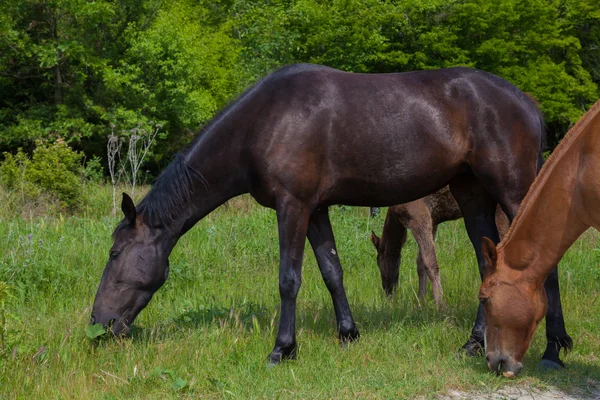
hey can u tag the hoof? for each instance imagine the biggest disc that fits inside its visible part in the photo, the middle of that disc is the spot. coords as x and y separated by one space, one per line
350 335
280 354
441 307
550 364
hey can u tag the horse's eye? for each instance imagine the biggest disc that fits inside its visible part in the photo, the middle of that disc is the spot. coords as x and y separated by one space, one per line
483 300
113 255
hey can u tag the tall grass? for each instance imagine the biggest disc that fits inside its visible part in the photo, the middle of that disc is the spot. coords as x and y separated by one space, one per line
208 331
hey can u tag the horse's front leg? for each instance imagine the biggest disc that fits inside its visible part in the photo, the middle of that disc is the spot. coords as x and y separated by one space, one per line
292 220
322 241
478 209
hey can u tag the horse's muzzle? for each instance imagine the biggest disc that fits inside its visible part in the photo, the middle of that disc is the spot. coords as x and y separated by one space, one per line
504 365
114 324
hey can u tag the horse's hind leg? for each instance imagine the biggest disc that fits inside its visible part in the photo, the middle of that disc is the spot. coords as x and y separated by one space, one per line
478 209
427 264
422 276
292 221
321 239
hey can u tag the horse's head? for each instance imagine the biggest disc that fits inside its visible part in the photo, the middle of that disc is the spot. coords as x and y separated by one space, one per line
513 305
388 260
137 267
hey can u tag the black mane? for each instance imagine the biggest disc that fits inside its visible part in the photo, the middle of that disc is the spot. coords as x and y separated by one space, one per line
170 193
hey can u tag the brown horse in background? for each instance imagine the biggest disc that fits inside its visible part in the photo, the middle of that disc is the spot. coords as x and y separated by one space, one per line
422 217
307 137
563 202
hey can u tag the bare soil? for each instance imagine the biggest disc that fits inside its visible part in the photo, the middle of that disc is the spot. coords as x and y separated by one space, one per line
591 392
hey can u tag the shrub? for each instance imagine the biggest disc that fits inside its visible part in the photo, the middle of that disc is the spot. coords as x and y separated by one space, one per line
13 168
93 171
54 169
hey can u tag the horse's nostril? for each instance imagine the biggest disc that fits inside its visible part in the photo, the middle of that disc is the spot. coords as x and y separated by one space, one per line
501 366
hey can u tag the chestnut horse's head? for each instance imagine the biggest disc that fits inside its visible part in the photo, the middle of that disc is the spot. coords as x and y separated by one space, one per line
137 267
388 260
513 306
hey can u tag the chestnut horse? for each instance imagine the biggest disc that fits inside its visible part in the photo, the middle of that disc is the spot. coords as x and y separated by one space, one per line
561 204
307 137
422 217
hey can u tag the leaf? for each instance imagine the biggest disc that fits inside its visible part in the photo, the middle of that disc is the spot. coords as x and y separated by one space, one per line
94 331
179 384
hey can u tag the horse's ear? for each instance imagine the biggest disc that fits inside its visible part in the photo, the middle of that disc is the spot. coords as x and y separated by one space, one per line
490 255
375 240
128 208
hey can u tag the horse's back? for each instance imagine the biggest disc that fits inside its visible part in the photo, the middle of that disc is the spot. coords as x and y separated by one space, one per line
367 139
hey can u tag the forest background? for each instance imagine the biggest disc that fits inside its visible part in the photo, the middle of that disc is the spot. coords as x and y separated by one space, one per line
74 71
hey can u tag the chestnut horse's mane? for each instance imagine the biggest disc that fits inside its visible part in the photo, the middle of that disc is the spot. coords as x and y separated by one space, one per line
564 144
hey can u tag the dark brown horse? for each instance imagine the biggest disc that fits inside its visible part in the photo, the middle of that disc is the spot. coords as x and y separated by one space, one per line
561 205
422 217
307 137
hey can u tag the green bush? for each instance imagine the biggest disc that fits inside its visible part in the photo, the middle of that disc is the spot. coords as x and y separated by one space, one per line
54 169
93 171
13 168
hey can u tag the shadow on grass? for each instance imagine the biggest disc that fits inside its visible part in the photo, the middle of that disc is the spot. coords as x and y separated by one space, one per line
241 316
580 380
317 317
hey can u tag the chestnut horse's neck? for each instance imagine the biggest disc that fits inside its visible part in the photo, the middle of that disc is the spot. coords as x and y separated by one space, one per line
551 216
393 237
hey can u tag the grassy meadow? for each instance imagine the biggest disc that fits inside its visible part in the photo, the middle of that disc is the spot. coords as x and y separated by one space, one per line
208 331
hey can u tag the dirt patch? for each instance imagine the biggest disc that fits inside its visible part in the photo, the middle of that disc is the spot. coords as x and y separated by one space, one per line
592 392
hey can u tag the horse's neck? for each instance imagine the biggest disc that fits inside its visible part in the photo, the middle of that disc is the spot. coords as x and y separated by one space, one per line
549 219
393 235
217 158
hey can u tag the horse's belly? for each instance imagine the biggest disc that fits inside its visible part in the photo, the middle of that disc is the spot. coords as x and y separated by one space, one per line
389 191
393 173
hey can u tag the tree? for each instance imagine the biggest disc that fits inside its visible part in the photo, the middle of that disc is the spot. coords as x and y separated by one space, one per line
177 71
71 68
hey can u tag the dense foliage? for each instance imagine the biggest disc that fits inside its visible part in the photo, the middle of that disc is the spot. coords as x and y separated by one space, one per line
54 169
71 68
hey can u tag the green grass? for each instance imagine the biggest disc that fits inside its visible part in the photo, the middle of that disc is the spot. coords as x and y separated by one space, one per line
208 331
